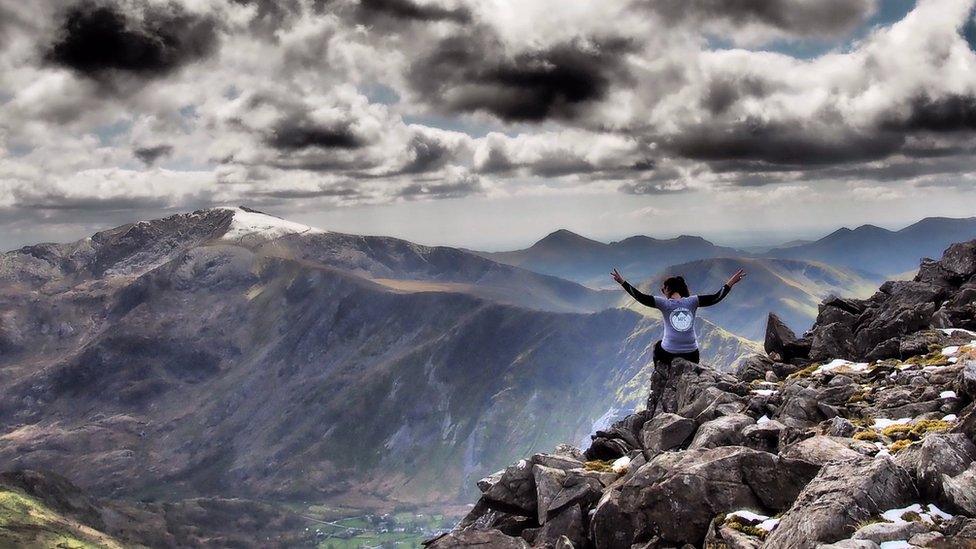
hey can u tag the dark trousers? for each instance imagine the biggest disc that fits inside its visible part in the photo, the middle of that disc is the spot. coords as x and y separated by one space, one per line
662 373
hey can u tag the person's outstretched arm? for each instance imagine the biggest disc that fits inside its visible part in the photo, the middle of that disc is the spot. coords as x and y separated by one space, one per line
640 296
712 299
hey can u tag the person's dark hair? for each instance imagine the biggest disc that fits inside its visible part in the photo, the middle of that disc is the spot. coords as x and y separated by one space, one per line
677 284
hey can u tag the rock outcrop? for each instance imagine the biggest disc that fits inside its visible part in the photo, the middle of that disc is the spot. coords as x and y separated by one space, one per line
860 433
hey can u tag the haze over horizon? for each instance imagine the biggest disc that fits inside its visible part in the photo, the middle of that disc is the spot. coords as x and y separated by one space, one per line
488 124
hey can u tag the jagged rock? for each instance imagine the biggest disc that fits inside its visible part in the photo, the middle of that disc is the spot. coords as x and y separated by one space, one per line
607 449
926 539
612 525
566 525
919 342
830 341
781 341
960 533
666 432
840 496
967 380
482 517
840 427
476 538
880 532
511 490
764 436
722 431
942 455
960 490
558 461
557 489
802 407
754 368
677 494
821 450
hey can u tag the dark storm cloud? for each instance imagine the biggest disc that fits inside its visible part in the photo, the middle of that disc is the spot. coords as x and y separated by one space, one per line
295 134
472 72
97 39
409 10
149 155
428 154
270 15
952 113
782 144
724 91
798 17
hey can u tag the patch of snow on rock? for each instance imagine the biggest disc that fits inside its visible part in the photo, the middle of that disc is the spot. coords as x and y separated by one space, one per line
763 392
841 364
950 350
950 417
254 228
947 394
881 423
621 465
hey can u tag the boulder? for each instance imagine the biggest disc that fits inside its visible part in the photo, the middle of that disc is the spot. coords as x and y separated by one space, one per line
612 524
764 436
967 379
476 538
960 490
482 517
880 532
782 342
722 431
566 525
821 450
939 455
677 494
557 489
666 432
840 427
842 495
511 490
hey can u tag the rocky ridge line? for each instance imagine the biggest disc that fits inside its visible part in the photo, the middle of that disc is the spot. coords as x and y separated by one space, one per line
797 449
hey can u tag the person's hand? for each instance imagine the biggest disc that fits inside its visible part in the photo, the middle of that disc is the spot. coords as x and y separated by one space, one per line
616 276
734 279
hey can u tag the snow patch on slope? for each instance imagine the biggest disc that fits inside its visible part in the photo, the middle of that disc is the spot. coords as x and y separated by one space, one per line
249 227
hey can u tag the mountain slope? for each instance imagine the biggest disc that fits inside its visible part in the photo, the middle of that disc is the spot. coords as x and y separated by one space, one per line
573 257
878 250
218 367
791 289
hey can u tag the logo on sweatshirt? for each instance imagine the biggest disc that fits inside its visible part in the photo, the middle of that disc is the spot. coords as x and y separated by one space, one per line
681 319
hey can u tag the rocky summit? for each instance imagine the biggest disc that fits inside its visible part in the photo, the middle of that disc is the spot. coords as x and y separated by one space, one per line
861 433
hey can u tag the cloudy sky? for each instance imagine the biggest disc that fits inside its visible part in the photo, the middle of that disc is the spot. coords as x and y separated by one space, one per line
488 123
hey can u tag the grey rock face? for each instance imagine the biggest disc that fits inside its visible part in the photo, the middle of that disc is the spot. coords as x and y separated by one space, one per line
666 432
677 495
840 496
960 490
942 455
722 431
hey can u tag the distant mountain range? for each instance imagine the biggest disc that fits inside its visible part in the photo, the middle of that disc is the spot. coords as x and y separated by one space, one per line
867 248
880 251
231 353
568 255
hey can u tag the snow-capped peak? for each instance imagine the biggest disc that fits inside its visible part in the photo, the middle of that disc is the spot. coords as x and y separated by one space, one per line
251 227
